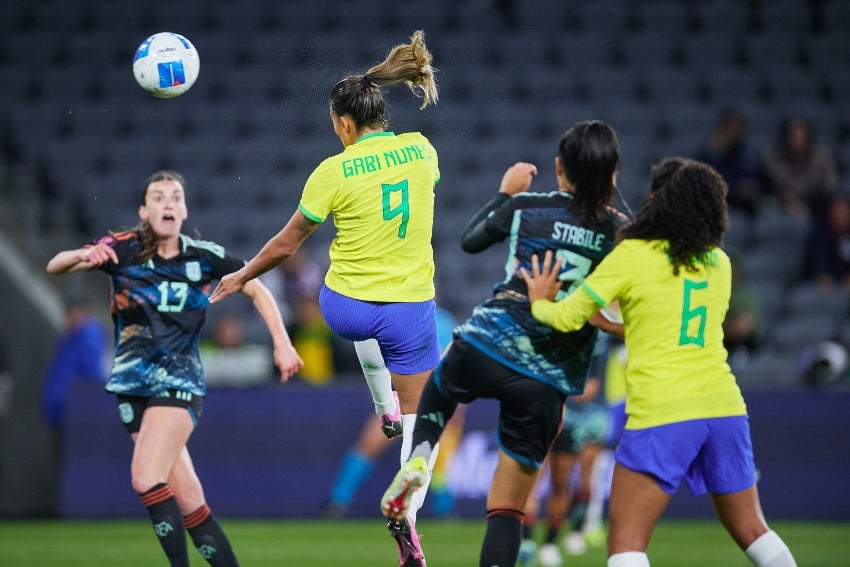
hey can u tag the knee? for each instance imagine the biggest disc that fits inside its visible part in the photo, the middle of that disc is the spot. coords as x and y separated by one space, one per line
189 498
746 533
143 477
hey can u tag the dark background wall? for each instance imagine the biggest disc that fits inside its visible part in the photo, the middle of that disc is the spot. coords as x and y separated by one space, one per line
273 451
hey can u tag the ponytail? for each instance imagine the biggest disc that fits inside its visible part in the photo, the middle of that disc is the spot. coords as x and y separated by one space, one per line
411 64
590 154
360 96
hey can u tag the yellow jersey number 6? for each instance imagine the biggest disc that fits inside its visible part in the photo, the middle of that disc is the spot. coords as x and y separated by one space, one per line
693 317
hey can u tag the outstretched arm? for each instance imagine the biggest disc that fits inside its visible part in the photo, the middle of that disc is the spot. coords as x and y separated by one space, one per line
79 259
283 245
569 314
285 357
517 179
601 321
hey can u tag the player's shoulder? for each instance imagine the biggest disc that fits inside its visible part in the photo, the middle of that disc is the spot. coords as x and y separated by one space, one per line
532 199
204 247
116 239
125 235
413 138
721 259
640 247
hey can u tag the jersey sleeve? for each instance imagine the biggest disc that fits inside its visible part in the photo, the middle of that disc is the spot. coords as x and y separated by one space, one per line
475 236
436 163
320 191
601 287
612 276
120 243
500 219
226 264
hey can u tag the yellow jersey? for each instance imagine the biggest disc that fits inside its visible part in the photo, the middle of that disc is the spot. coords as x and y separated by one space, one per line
676 369
380 191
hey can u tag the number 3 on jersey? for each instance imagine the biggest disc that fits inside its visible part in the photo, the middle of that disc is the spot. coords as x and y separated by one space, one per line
402 208
574 269
180 294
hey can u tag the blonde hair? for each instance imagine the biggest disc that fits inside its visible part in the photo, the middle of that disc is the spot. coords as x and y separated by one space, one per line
360 97
409 63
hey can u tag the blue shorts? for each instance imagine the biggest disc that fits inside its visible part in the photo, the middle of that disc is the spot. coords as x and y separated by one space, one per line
712 455
406 332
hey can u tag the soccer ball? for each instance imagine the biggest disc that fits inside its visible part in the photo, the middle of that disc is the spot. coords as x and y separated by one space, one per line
166 65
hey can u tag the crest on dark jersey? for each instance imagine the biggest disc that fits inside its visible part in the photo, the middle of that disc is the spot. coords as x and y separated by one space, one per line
193 271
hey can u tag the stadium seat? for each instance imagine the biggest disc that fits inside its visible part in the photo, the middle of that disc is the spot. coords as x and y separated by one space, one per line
772 297
663 16
810 298
775 227
798 331
772 263
770 369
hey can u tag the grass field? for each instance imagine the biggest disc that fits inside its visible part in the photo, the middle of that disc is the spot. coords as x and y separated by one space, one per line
365 543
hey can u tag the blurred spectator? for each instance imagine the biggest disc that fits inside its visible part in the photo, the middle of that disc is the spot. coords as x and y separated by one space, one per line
231 360
5 379
325 354
730 153
798 167
80 353
312 337
743 328
824 364
294 279
826 253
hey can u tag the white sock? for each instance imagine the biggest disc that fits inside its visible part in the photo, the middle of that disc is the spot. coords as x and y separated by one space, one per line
377 376
629 559
408 423
593 518
770 551
418 498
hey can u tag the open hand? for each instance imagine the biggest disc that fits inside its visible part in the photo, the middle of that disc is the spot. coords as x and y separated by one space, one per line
543 280
229 284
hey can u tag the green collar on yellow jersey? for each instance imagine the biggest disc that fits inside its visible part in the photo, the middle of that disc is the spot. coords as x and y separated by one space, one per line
372 135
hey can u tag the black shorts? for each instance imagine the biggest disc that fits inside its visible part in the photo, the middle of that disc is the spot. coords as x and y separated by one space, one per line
530 410
566 443
131 408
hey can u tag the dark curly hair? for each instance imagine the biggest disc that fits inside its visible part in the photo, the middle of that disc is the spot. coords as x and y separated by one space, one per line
661 172
689 212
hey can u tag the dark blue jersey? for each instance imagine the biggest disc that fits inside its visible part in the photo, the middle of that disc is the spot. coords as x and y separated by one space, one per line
158 308
503 326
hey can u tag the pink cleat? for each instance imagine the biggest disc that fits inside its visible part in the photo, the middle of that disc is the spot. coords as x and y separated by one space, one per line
409 551
391 422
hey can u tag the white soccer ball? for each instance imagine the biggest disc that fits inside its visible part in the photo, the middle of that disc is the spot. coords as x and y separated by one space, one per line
166 65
